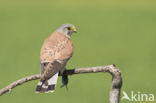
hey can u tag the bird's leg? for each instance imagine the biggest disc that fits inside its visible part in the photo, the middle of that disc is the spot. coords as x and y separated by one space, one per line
64 80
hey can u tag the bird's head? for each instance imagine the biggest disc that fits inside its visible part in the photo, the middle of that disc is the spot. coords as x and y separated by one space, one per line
67 29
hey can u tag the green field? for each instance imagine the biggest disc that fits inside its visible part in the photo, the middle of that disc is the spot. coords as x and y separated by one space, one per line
109 32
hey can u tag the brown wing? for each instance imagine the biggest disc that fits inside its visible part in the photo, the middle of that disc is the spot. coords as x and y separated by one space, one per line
56 51
57 46
49 70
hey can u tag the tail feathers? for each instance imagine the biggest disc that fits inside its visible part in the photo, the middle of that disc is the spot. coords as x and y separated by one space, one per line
48 85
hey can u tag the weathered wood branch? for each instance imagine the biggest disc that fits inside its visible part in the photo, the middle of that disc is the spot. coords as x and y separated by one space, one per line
115 87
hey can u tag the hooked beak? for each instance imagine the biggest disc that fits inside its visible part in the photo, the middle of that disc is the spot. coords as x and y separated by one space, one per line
74 30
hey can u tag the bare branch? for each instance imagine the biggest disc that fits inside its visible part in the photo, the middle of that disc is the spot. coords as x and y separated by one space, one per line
115 87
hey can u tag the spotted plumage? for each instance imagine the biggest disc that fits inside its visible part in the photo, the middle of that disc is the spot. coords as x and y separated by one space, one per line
55 53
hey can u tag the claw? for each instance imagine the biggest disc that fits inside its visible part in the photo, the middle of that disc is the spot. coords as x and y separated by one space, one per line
64 81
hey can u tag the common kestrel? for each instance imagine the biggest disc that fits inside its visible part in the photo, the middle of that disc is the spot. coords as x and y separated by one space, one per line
55 53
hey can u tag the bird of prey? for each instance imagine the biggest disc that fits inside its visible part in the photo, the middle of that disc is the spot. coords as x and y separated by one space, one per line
55 53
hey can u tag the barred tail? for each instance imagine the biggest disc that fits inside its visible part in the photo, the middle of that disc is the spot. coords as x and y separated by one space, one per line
48 85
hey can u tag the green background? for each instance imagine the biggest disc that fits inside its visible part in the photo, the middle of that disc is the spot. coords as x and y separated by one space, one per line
121 32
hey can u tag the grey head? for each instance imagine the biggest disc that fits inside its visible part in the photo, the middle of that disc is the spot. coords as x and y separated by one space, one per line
66 29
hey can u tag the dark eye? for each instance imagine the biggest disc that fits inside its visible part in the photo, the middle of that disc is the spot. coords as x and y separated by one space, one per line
68 28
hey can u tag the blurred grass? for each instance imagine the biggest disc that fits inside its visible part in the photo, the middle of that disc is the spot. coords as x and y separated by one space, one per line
120 32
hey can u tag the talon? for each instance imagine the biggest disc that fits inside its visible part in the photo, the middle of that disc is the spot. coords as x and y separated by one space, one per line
64 81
